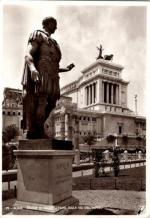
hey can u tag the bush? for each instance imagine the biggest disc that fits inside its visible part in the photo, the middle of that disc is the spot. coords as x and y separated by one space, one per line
8 157
9 133
125 140
139 138
111 138
90 139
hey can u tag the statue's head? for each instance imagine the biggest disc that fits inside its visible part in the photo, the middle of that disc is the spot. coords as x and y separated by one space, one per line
49 24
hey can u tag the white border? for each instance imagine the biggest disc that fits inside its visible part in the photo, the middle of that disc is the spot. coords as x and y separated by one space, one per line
101 3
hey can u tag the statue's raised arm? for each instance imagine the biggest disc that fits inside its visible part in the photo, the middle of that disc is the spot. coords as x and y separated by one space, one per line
100 52
68 68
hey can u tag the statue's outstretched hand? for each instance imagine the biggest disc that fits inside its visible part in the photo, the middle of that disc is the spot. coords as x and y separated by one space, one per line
70 66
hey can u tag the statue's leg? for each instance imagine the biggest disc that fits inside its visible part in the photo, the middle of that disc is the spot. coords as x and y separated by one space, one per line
49 123
41 116
51 104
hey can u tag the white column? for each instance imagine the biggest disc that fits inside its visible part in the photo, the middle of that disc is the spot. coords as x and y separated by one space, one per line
104 132
90 94
98 92
126 96
94 86
119 95
95 100
66 126
107 92
76 134
87 92
62 128
102 95
112 93
93 90
85 96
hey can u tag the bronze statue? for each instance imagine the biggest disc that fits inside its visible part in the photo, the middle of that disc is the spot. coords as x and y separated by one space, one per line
41 78
100 52
108 57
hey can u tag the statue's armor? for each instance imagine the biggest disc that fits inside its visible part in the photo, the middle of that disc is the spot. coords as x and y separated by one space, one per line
46 61
41 97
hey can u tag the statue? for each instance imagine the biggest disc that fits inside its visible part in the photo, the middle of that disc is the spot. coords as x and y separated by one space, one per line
41 79
108 57
100 52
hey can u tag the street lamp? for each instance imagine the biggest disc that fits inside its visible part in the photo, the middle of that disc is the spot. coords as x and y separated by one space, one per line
135 104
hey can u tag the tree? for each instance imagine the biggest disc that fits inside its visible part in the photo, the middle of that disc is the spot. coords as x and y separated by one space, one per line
6 158
139 139
111 138
125 140
10 132
89 139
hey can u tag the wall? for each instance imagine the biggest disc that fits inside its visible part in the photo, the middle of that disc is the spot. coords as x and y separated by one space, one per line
12 119
112 122
132 143
74 96
124 95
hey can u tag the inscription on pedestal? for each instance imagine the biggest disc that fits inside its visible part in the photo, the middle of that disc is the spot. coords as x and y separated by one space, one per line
62 179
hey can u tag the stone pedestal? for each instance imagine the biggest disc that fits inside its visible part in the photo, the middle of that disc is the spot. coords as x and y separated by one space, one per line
44 180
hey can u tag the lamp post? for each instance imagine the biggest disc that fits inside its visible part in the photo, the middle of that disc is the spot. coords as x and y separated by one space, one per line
135 104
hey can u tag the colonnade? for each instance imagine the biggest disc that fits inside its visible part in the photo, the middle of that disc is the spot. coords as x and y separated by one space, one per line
65 130
90 92
110 93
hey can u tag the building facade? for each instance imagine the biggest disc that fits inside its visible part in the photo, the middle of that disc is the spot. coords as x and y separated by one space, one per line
12 108
100 88
72 123
95 104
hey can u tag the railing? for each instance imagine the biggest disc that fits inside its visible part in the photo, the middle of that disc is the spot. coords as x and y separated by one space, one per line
8 176
88 157
11 175
109 164
90 183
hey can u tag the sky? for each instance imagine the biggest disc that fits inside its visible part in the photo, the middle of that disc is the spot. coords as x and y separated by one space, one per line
81 28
